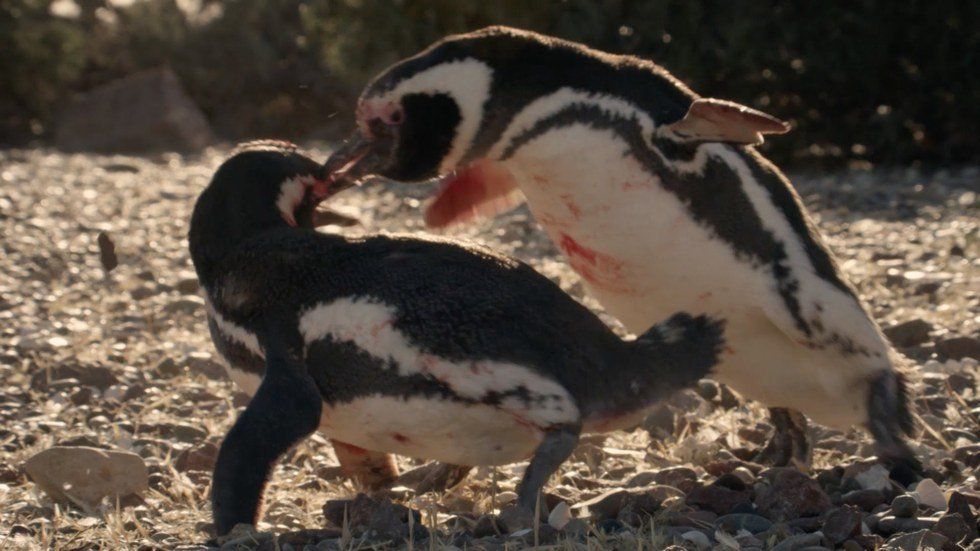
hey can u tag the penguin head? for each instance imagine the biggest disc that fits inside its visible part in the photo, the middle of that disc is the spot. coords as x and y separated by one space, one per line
470 101
264 185
267 183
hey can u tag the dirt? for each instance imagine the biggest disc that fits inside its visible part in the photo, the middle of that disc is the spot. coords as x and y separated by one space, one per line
122 360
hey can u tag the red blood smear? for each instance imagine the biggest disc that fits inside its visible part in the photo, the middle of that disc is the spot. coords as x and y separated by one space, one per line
572 207
599 269
481 189
399 437
457 198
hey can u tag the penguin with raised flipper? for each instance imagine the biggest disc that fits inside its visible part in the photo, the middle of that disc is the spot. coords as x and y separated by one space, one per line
422 347
659 201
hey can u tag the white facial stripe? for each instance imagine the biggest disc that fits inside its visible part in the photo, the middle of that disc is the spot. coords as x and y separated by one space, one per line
551 104
468 82
368 323
234 332
290 194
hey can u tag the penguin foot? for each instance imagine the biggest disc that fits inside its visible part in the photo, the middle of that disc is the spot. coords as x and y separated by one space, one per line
557 445
790 443
889 421
370 470
434 477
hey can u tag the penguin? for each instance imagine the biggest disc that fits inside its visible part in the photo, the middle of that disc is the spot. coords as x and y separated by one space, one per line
659 201
423 347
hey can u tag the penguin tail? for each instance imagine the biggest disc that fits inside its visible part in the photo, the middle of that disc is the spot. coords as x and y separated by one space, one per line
678 351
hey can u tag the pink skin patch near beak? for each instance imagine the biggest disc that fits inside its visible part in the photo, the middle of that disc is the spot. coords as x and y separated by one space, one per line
482 189
388 112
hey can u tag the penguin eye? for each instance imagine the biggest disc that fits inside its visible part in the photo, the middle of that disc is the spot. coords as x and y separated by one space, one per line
396 116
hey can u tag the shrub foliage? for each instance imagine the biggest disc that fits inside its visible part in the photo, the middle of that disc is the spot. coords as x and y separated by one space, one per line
885 81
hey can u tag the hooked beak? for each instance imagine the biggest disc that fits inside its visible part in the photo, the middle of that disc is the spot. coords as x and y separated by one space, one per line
358 158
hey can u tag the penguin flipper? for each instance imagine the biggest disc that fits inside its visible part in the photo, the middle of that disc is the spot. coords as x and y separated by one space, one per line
286 408
481 190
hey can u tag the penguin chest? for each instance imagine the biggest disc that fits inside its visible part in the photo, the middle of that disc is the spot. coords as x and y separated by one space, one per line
636 245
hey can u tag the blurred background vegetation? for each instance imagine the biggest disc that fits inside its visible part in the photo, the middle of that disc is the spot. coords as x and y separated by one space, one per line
861 80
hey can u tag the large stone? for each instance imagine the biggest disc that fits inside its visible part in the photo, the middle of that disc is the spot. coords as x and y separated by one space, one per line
146 111
909 333
718 499
841 524
790 494
85 476
957 348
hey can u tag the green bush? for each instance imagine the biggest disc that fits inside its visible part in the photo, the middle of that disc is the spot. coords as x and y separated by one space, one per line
884 81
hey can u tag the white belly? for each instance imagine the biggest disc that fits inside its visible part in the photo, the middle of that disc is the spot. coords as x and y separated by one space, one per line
435 429
452 432
644 257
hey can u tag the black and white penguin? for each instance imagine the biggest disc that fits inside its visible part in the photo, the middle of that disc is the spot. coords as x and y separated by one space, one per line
422 347
657 199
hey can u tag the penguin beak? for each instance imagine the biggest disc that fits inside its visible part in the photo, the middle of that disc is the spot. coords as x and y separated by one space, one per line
361 156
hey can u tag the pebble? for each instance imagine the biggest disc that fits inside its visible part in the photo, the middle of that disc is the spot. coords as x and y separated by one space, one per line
905 506
922 540
928 493
698 538
957 348
790 494
795 543
559 516
874 478
953 526
841 524
717 499
890 525
200 457
866 500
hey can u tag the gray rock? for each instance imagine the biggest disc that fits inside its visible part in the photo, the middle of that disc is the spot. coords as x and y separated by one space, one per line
794 543
891 525
717 499
674 476
953 527
957 348
790 495
909 333
743 521
146 111
866 500
922 540
841 524
84 476
905 506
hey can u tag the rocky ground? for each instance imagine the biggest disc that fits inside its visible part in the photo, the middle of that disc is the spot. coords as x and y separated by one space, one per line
121 363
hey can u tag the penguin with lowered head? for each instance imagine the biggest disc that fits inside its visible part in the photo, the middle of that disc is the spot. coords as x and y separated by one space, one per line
658 200
422 347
